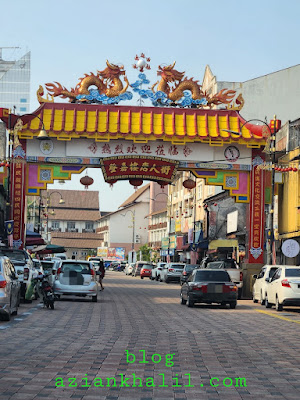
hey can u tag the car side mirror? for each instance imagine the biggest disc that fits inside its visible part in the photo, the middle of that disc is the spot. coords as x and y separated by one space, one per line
255 276
269 280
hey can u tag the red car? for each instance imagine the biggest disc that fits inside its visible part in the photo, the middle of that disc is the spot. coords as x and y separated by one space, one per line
146 271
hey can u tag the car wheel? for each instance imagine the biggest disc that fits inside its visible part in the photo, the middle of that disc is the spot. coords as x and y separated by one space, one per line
239 293
267 304
52 305
157 278
182 299
278 306
166 280
94 299
142 277
189 302
6 317
262 301
254 299
232 305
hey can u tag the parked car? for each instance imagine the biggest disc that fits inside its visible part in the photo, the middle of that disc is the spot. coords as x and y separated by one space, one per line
209 286
284 287
259 290
187 270
231 266
50 269
156 271
76 277
10 287
146 270
23 264
128 269
138 266
171 272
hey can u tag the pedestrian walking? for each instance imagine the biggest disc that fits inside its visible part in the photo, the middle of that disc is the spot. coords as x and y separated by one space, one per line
102 273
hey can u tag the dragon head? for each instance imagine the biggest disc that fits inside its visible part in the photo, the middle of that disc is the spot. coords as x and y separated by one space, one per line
112 71
170 74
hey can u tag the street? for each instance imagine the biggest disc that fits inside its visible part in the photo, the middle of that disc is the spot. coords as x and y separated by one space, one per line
139 342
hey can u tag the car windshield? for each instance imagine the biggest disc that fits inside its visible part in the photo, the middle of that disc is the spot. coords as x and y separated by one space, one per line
47 265
178 266
83 268
211 276
292 272
190 268
13 255
147 266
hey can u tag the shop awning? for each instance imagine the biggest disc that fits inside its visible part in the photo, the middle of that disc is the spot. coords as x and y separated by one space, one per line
49 249
225 243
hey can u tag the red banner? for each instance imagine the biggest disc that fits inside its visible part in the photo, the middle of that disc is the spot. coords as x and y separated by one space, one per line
256 235
144 167
17 190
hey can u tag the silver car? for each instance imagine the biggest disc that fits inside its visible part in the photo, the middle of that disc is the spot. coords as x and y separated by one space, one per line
171 272
9 289
76 277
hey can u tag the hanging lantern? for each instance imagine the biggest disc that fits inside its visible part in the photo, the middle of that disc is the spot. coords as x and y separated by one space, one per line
295 169
162 184
112 182
86 181
136 182
189 184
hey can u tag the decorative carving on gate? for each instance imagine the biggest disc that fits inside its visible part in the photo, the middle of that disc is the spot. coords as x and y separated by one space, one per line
108 83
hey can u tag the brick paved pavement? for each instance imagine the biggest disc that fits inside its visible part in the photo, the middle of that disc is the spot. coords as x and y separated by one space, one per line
85 340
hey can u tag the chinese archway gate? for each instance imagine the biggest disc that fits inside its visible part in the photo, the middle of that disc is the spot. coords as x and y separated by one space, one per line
181 131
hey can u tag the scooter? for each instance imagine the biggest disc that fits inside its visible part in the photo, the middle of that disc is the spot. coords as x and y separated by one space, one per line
47 293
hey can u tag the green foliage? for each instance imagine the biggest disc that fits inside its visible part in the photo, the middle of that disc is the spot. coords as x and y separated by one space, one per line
145 252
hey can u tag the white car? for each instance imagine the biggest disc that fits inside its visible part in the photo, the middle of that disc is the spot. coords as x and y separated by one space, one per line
171 272
9 289
259 290
156 271
128 269
284 287
77 278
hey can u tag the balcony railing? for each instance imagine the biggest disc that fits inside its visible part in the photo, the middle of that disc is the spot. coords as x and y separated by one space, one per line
88 230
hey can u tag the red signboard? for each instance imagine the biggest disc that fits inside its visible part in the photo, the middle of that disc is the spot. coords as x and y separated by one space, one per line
18 179
256 236
144 167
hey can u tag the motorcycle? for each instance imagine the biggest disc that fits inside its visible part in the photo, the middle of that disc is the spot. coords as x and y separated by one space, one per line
47 293
44 290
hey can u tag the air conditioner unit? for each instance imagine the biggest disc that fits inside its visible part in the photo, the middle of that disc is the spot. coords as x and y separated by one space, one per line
137 240
137 237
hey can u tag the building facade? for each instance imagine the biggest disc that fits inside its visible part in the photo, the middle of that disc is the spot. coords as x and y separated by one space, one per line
15 84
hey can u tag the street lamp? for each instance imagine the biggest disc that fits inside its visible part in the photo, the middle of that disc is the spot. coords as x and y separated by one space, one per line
170 217
133 226
47 206
271 256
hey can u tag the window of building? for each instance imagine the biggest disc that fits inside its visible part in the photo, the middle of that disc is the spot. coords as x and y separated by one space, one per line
74 253
23 109
71 226
84 253
200 192
55 225
89 226
23 100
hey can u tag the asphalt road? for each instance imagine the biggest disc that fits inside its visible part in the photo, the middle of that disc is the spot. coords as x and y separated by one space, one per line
139 342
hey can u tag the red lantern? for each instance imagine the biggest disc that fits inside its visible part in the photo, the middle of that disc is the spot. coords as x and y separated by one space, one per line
295 169
86 181
136 182
162 184
189 184
112 182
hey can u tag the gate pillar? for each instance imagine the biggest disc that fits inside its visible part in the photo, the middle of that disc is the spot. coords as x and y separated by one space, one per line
17 195
255 223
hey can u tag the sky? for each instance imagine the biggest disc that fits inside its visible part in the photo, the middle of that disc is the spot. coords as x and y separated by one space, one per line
239 40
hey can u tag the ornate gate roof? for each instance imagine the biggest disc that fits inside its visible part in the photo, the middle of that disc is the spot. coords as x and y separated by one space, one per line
140 124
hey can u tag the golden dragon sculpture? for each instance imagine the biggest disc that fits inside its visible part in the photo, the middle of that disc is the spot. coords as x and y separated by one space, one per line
107 82
171 76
